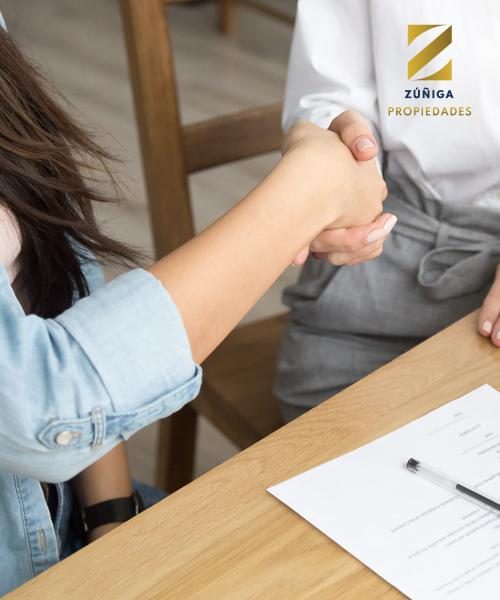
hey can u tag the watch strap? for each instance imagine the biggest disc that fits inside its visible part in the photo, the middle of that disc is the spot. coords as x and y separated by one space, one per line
117 510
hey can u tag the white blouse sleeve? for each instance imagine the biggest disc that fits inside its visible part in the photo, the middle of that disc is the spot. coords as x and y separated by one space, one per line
331 64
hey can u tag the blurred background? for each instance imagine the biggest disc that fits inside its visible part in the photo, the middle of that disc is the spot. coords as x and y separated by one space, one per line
79 46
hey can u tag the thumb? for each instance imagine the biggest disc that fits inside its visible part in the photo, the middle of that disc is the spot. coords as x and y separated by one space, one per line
356 134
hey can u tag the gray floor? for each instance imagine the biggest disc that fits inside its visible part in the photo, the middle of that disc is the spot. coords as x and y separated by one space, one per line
79 46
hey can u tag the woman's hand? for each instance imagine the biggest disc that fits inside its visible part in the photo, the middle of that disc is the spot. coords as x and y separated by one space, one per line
357 244
351 246
354 130
216 277
489 317
357 189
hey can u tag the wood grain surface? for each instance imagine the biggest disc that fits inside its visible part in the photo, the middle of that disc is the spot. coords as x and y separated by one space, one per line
224 537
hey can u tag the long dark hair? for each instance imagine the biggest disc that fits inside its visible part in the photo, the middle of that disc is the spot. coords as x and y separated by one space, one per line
48 180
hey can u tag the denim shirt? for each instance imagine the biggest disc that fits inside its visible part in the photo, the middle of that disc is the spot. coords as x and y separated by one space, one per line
73 387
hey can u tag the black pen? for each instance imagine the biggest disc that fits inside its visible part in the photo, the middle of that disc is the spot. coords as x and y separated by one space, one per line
447 482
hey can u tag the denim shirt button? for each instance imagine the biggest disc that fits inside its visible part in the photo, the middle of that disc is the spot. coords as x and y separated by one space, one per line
65 438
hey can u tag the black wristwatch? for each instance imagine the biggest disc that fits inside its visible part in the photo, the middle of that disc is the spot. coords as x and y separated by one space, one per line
117 510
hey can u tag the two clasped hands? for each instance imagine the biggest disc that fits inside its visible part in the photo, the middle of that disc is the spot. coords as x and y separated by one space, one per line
365 232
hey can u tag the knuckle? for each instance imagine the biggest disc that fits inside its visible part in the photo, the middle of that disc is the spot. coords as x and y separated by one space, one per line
331 238
353 245
316 246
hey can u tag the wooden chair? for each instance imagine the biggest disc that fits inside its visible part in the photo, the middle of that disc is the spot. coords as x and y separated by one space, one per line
228 8
236 396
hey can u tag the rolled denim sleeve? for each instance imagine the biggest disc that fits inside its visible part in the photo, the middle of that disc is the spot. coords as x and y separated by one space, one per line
73 387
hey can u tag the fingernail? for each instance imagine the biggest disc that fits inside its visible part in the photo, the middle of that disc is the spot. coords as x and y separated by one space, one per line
390 224
488 327
376 235
497 337
364 144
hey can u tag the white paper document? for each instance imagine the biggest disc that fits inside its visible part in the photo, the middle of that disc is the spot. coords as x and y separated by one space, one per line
422 539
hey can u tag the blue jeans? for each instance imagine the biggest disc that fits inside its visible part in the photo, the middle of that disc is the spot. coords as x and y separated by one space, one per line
68 541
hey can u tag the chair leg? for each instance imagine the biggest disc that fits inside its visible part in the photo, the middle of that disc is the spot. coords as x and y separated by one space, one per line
176 450
227 16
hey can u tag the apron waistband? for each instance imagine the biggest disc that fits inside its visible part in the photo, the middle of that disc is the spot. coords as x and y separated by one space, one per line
464 257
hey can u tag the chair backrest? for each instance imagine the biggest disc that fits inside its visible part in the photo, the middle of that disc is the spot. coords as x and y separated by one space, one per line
170 151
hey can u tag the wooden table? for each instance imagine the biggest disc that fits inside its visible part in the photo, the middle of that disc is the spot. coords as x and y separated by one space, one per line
224 537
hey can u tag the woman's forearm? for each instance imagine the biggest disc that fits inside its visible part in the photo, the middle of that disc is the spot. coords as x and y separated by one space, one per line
218 276
106 479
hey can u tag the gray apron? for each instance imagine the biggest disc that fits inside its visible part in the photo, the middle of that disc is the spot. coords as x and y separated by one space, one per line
345 322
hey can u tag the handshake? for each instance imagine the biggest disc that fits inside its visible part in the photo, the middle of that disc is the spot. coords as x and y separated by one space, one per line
344 157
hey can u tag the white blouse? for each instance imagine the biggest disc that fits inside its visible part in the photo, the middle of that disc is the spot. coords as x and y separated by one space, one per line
361 55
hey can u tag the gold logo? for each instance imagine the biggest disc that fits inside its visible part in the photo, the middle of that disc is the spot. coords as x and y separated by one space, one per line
429 53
